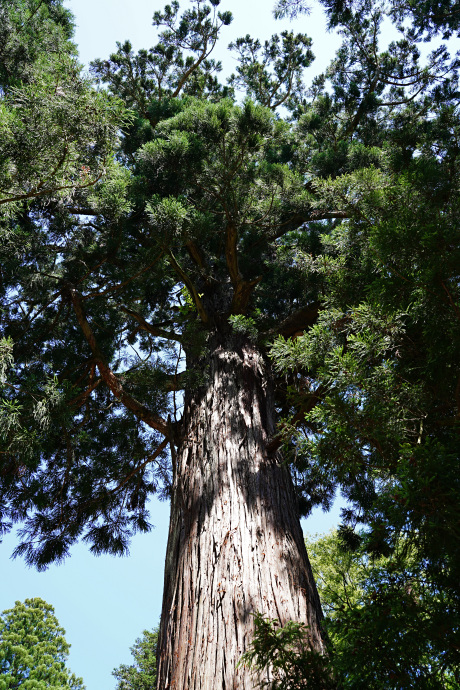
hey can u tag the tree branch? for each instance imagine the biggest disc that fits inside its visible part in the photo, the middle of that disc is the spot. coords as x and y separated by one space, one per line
312 400
231 255
110 379
242 289
295 323
151 328
191 288
37 192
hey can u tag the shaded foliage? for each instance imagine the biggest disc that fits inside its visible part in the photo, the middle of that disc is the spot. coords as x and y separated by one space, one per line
385 618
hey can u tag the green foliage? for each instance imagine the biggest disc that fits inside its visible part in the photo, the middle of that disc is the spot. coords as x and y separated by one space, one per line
385 617
97 452
272 75
283 658
56 132
33 650
29 32
244 324
142 674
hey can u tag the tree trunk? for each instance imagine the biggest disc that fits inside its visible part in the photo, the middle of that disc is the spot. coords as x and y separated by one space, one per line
235 542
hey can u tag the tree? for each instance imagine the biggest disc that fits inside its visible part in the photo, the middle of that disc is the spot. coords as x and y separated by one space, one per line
33 649
236 508
219 228
141 675
382 616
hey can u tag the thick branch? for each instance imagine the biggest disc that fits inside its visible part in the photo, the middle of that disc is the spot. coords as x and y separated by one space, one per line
296 323
242 293
231 255
110 379
242 289
151 328
297 221
195 254
352 125
191 288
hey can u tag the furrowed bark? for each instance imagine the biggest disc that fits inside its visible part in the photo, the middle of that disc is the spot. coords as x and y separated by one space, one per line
235 542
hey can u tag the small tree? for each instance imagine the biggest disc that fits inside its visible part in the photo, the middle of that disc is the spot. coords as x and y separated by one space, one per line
33 649
142 674
281 657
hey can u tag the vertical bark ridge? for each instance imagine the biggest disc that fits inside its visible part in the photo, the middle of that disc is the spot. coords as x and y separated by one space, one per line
235 543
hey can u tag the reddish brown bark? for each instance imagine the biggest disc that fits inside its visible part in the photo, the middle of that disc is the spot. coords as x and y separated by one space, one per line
235 541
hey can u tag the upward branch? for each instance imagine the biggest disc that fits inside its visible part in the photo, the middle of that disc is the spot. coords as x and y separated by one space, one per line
242 289
110 379
190 287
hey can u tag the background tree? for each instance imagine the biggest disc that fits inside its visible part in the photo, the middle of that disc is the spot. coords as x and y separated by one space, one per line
33 649
381 615
142 674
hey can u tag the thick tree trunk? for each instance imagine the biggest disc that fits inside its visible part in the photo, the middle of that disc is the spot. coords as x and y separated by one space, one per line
235 542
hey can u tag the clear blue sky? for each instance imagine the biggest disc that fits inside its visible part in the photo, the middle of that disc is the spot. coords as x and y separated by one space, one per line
104 603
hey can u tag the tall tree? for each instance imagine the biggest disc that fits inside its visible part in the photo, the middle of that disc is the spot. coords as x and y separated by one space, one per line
203 243
33 649
154 256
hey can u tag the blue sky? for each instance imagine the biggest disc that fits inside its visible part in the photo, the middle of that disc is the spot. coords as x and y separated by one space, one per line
104 603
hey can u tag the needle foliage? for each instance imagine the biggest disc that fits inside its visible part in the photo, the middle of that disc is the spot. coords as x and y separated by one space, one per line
33 649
